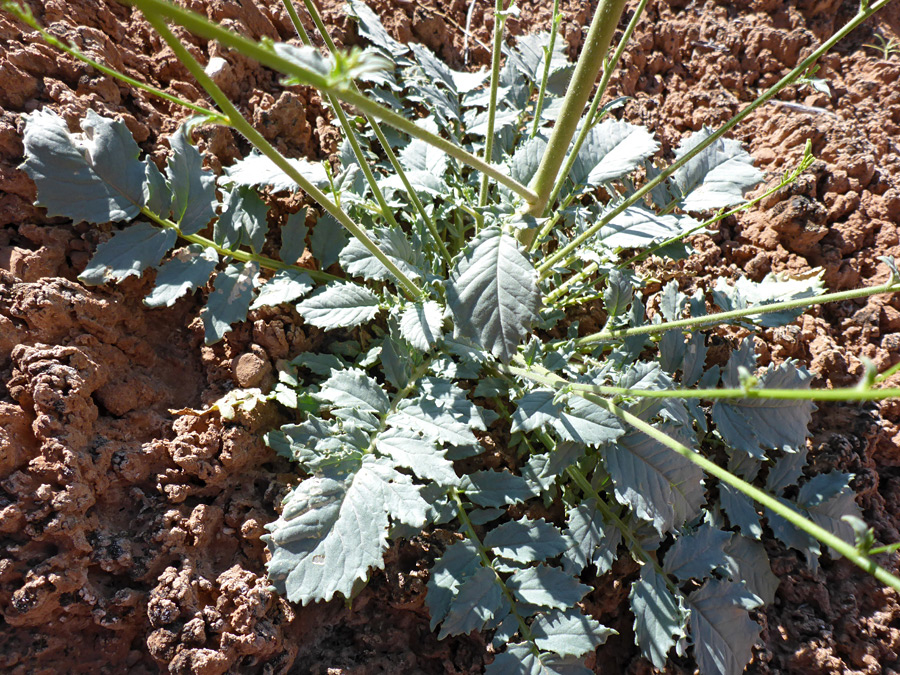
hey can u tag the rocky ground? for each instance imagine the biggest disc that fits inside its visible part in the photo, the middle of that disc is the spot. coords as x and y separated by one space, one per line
129 536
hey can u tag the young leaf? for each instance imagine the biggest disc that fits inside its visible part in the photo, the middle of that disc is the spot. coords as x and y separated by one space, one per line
722 632
293 237
339 305
827 498
526 540
659 618
188 268
569 633
695 555
285 286
128 253
370 27
421 324
546 586
718 176
618 293
193 188
658 483
229 301
493 293
94 177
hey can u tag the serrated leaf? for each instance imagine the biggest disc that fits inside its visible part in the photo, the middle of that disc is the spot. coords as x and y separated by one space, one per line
827 498
496 488
659 619
188 269
352 388
94 177
519 659
611 150
543 470
591 540
695 555
370 27
493 293
229 301
618 293
128 253
586 422
637 227
752 424
750 564
421 324
257 170
339 305
534 410
157 195
741 511
333 530
569 633
546 586
243 220
293 237
530 54
193 187
413 450
745 293
658 483
786 471
526 540
459 563
718 176
285 286
527 158
478 599
721 629
359 261
327 241
426 416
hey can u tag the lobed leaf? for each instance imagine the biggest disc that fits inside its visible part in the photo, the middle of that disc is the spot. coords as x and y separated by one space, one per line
128 253
229 301
659 617
721 629
188 269
339 305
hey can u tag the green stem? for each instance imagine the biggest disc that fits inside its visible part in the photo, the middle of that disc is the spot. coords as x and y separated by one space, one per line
524 629
200 25
545 76
589 118
596 44
243 256
725 317
25 15
499 21
767 501
252 135
572 246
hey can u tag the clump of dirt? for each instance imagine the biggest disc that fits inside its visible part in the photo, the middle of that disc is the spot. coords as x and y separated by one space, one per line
138 529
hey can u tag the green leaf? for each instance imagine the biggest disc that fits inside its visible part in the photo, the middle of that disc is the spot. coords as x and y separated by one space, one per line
526 540
591 540
188 269
459 563
750 564
721 629
257 170
339 305
658 483
193 188
229 301
426 416
746 293
476 602
569 633
718 176
293 237
618 293
534 410
586 422
527 158
786 471
421 324
696 555
413 450
741 510
637 227
128 253
496 488
546 587
333 529
519 659
659 618
157 195
752 424
370 27
359 261
94 177
352 388
285 286
493 293
611 150
827 498
327 241
243 221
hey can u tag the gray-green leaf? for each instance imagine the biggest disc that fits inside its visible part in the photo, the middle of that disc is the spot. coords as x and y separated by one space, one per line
285 286
339 305
569 633
128 253
229 301
188 268
721 629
